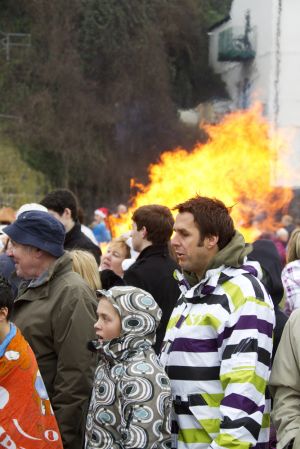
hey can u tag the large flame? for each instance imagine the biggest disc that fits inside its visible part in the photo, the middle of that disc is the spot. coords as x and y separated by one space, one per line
236 165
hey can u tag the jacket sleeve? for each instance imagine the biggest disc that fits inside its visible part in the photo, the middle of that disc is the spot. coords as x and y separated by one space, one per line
75 364
291 282
245 348
285 383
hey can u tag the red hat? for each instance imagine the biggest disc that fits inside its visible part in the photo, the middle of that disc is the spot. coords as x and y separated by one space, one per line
102 212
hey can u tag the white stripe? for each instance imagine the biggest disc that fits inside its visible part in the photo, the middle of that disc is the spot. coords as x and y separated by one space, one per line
183 388
194 359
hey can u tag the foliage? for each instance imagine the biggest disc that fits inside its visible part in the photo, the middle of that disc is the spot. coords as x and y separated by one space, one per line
20 183
96 96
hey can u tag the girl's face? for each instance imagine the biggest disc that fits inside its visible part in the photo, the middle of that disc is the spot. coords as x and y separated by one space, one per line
113 259
108 325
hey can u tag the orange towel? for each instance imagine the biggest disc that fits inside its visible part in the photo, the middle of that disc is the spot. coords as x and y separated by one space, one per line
26 416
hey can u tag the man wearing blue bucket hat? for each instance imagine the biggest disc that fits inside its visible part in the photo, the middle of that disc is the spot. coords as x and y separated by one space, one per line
55 312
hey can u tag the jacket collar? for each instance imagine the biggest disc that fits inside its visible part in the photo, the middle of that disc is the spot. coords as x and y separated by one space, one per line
154 250
39 288
74 233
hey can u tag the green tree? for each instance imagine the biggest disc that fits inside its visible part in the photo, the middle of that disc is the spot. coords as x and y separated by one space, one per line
97 94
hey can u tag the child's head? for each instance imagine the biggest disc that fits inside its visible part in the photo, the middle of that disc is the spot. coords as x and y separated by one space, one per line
6 299
127 312
108 325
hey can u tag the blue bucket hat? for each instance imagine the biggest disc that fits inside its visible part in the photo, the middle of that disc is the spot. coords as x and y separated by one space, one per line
38 229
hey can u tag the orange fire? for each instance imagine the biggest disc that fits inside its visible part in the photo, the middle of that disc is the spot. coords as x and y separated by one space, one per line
236 165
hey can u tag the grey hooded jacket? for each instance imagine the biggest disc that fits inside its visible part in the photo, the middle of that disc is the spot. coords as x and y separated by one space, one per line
130 403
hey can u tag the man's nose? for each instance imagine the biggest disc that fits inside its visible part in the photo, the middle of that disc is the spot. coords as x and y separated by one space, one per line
174 240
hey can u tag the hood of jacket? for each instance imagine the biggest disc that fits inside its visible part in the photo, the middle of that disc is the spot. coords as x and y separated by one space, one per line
232 255
140 316
265 252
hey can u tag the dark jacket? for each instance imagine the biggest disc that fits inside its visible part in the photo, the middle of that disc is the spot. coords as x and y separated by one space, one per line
8 271
56 314
76 239
153 271
131 401
265 252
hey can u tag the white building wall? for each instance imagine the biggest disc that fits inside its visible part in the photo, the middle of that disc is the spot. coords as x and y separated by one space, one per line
273 76
289 85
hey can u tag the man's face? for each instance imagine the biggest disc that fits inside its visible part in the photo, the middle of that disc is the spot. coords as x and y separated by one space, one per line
25 262
193 253
137 238
98 219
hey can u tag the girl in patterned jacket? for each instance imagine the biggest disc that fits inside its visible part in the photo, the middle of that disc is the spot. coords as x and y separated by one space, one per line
130 404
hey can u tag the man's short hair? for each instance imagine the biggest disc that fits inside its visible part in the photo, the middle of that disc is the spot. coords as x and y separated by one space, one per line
6 296
211 217
60 199
158 221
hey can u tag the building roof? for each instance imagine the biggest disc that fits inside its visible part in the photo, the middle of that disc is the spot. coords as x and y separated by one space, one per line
219 23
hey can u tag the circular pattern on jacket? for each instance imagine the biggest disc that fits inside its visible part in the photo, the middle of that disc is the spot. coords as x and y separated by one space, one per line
143 414
136 323
137 437
105 391
117 370
163 403
101 437
147 301
105 417
163 381
157 427
141 390
142 368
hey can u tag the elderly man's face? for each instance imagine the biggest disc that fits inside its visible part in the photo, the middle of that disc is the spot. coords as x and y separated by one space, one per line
24 260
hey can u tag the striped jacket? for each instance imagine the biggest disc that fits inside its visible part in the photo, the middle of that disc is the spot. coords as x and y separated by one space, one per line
217 352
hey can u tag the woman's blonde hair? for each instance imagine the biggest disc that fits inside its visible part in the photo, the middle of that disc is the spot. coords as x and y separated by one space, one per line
84 263
122 242
293 248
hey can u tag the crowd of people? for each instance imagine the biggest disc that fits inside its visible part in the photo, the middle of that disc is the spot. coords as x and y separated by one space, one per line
180 335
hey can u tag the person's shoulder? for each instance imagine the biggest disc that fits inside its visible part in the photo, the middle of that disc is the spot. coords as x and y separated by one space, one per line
292 266
73 284
295 318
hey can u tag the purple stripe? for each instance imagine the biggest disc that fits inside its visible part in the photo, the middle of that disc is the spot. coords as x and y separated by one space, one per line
242 403
194 345
262 446
248 322
250 269
207 290
180 321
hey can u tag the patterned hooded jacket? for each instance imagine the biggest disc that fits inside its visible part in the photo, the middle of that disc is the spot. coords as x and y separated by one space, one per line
131 400
217 354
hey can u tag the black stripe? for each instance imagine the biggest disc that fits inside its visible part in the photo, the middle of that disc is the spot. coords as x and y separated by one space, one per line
174 427
224 278
182 409
193 373
196 399
263 355
259 293
250 424
221 300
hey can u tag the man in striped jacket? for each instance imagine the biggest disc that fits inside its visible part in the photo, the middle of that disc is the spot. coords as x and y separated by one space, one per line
218 344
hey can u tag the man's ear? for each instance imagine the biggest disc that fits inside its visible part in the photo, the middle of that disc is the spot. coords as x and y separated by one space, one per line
67 213
3 314
211 241
144 232
38 253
